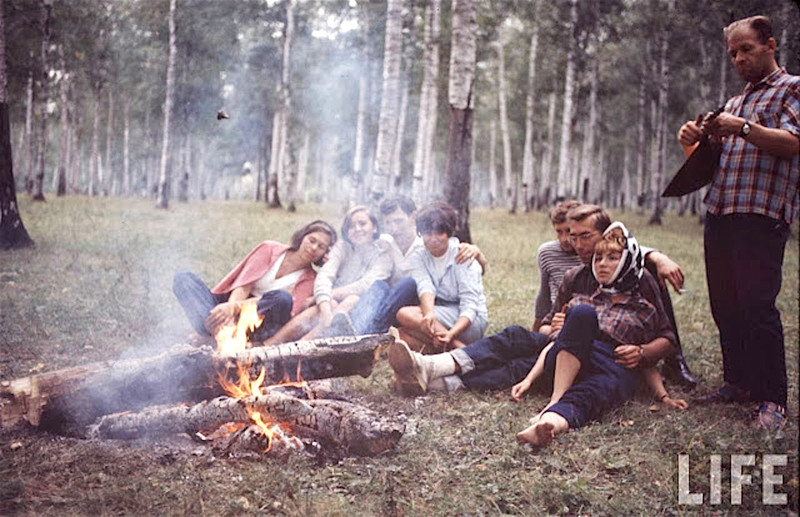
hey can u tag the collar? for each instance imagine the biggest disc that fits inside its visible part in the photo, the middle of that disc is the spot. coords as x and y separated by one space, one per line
770 80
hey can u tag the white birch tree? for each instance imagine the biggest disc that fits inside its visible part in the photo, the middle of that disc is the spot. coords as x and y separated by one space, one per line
562 184
165 173
426 124
663 90
508 168
530 120
390 99
463 49
37 193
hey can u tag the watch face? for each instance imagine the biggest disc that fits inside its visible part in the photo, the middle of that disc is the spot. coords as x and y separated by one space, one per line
745 129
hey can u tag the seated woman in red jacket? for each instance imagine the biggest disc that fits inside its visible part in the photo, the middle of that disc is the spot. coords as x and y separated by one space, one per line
279 278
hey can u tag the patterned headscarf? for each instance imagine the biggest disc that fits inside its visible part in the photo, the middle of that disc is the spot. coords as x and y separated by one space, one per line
631 265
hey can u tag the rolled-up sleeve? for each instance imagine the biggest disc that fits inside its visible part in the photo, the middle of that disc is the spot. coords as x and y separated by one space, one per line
470 290
543 302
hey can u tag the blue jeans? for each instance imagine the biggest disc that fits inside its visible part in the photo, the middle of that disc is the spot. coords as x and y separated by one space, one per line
499 361
744 259
197 301
377 308
601 383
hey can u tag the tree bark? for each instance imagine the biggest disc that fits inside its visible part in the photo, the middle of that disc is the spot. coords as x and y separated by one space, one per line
126 155
546 185
41 153
588 174
66 400
530 104
508 168
347 427
63 160
492 162
273 195
426 126
562 185
287 168
29 137
12 231
111 177
165 172
460 95
390 99
663 90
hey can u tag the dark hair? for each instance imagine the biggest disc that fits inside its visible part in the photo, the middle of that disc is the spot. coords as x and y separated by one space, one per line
559 212
760 24
601 220
437 216
391 204
348 222
314 226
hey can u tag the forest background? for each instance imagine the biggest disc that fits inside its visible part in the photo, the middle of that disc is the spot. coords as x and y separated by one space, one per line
570 99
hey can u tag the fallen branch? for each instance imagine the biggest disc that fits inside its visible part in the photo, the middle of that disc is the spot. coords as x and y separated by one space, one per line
344 426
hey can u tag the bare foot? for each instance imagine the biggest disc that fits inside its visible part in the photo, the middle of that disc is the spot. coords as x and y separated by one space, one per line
539 434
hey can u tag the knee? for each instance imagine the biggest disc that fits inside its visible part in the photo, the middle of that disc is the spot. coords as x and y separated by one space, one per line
406 285
405 316
182 281
279 300
582 315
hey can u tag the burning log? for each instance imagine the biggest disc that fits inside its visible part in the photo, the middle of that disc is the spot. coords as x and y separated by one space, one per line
346 427
68 400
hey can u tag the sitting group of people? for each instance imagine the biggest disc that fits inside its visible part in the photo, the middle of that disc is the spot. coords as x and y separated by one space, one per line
600 324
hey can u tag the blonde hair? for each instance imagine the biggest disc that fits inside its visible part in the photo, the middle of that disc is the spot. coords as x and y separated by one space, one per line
614 240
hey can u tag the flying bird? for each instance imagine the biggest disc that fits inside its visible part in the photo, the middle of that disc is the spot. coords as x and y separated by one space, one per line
221 114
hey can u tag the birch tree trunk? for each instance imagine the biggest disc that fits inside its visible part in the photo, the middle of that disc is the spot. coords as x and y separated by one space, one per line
460 95
63 161
390 99
588 173
41 153
29 138
426 126
546 185
111 178
508 168
641 150
165 172
493 163
126 157
527 154
287 167
302 165
357 175
12 231
397 154
626 174
663 90
566 117
273 196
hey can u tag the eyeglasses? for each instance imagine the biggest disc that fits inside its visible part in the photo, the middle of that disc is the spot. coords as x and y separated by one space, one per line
584 237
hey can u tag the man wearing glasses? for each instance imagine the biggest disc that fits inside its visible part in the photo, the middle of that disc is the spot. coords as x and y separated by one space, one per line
587 224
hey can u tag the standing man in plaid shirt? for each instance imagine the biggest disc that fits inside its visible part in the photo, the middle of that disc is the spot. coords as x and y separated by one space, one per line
751 203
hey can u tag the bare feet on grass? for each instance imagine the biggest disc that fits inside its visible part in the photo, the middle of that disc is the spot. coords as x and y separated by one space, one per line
538 434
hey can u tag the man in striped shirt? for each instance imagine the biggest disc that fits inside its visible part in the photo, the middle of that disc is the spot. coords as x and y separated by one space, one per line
751 203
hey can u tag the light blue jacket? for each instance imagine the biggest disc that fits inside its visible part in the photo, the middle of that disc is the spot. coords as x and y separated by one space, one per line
461 284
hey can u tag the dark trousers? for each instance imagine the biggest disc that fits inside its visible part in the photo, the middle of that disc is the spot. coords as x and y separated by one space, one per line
501 360
744 256
197 301
377 308
601 383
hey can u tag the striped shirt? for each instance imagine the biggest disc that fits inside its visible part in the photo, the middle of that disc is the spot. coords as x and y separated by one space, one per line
553 262
748 179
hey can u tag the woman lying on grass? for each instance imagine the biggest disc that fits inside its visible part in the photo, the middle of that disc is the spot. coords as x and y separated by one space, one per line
277 277
580 364
452 309
355 262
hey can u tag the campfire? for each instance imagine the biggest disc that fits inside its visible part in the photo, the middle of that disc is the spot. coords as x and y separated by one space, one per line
275 400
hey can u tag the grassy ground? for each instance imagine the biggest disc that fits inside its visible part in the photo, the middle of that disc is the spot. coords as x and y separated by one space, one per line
98 286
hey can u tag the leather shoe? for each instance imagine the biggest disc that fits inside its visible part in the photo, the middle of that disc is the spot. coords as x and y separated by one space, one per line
725 395
676 370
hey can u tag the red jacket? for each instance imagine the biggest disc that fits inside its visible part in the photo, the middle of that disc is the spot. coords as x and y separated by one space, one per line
257 263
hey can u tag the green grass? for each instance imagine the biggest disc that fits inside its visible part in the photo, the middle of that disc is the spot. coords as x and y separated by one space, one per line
98 286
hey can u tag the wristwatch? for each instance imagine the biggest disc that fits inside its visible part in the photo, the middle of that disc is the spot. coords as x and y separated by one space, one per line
745 131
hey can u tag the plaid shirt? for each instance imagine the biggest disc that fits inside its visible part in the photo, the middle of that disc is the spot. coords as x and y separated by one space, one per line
580 281
749 180
631 321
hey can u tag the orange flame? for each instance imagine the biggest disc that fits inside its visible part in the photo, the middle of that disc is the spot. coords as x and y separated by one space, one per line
232 339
